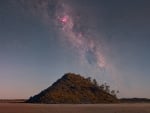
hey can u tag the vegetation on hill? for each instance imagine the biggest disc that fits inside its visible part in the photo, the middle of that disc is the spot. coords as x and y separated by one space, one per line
73 88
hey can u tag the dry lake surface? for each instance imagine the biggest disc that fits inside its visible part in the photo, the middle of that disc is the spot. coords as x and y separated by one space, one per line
70 108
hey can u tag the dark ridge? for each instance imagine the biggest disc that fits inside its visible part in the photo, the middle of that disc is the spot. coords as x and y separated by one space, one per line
135 100
13 100
73 88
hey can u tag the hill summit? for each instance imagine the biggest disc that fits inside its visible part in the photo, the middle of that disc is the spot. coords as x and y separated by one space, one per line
73 88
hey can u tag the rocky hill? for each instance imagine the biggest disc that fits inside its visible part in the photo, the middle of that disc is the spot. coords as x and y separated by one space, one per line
73 88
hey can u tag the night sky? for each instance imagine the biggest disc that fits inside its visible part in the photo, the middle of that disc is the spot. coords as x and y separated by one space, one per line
40 40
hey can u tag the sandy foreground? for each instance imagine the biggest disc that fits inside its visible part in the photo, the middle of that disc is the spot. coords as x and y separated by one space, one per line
70 108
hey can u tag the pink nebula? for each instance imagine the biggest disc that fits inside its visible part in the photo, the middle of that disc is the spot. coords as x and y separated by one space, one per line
64 19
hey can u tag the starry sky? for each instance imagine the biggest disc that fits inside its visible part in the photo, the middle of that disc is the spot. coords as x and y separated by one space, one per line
40 40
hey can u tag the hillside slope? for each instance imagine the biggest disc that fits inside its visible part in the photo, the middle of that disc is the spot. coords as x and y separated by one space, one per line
73 88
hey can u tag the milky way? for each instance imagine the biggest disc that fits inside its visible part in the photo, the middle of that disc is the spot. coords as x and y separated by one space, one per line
70 26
